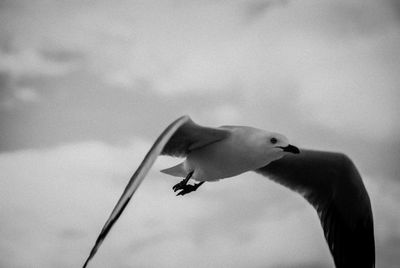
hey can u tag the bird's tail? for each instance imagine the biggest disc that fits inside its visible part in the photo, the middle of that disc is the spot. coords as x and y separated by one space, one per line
177 171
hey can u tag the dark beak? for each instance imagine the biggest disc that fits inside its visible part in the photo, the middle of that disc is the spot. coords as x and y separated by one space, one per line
291 149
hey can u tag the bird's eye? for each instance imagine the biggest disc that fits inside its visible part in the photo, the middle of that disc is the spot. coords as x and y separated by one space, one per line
273 140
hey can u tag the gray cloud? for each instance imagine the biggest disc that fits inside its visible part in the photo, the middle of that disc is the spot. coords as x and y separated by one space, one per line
71 233
223 57
255 9
61 55
32 63
396 6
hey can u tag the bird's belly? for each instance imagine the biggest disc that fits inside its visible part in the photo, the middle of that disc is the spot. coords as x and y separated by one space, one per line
220 161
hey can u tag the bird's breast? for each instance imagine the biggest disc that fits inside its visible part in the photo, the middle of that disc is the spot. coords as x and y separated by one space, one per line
224 159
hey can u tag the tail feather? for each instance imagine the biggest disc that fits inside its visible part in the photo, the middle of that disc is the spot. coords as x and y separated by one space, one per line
177 171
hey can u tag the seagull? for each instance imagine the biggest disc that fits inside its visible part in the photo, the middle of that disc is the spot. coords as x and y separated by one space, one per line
329 181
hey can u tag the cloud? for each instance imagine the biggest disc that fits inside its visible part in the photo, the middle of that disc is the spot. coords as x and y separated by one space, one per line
31 63
332 63
27 95
13 94
17 96
224 114
45 203
255 9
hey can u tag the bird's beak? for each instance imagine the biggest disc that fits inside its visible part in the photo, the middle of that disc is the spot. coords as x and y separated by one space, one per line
291 149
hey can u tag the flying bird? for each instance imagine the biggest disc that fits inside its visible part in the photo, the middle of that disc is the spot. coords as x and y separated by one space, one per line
329 181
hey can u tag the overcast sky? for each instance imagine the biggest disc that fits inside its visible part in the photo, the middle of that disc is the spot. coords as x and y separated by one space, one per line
86 87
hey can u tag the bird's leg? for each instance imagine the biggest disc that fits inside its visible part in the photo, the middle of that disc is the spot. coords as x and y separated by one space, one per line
190 188
185 187
183 183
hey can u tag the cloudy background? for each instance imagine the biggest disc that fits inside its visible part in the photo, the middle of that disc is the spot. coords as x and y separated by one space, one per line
86 87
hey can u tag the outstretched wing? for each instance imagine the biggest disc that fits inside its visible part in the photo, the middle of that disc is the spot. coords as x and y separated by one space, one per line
178 139
332 184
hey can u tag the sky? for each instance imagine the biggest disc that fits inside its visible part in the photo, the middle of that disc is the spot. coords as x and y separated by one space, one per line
86 87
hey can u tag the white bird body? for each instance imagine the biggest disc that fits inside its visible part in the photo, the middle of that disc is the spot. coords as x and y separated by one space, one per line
246 149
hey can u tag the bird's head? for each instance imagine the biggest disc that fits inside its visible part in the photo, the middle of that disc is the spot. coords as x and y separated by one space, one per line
279 145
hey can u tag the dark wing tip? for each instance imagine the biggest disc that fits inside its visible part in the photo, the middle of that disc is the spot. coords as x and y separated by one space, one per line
348 220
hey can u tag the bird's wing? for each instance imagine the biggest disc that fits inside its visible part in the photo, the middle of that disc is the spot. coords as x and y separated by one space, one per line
178 139
332 184
191 136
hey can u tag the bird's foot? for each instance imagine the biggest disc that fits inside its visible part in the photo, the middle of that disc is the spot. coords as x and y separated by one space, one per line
179 186
183 183
189 188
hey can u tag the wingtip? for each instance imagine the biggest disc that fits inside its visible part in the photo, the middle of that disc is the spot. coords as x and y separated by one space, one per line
87 261
91 254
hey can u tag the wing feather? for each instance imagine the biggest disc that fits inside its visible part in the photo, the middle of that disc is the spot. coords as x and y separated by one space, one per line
191 136
332 184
